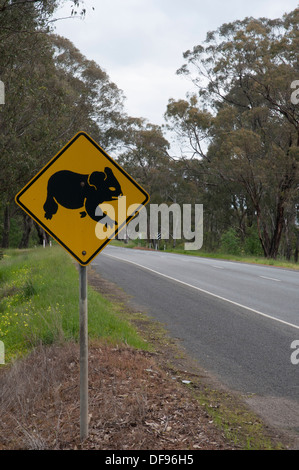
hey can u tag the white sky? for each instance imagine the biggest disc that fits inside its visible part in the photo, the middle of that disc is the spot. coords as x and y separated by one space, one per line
140 43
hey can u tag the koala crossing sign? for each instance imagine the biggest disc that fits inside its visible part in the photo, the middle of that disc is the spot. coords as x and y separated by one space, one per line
82 198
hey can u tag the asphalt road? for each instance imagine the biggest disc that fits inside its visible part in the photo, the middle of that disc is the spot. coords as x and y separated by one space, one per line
238 320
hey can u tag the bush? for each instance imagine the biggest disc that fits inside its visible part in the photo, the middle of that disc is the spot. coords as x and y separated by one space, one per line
230 242
252 244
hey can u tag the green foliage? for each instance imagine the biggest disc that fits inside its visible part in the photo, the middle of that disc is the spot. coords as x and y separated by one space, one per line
248 142
40 303
230 242
252 245
52 91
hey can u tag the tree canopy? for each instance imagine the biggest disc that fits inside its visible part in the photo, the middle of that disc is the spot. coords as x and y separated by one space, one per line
242 125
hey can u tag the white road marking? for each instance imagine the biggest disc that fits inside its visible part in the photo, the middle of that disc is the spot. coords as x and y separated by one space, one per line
271 278
204 291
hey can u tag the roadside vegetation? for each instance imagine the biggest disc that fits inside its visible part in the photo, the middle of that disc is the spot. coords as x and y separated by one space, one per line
240 256
39 303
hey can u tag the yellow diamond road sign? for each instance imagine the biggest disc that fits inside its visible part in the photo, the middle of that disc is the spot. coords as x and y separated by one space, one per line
82 198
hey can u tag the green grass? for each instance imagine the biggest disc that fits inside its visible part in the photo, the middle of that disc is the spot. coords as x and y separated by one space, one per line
280 262
243 259
238 423
39 303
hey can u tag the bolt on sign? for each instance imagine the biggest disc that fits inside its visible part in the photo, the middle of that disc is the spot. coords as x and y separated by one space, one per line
82 198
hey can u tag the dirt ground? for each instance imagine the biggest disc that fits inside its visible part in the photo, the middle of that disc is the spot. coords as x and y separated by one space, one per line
137 400
133 404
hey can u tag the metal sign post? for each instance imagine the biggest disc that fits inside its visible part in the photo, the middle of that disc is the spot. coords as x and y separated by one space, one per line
83 352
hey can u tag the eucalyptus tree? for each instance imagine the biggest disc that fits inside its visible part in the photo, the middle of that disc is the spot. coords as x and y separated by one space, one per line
244 112
97 97
21 41
52 91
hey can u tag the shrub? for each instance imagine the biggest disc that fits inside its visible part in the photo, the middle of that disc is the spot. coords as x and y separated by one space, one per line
230 242
252 244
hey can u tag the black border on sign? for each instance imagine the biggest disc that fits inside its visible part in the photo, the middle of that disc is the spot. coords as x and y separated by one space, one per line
53 160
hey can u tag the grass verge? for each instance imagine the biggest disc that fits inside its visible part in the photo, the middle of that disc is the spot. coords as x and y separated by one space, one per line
39 303
281 263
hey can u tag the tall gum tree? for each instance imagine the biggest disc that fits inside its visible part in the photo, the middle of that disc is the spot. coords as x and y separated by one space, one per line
51 91
243 73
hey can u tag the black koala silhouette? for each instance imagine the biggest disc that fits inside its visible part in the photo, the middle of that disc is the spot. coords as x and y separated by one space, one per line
75 191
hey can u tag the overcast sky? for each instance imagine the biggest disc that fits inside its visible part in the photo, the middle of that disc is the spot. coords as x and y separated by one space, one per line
140 43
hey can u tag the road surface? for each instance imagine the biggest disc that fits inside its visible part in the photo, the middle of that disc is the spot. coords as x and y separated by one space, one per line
238 320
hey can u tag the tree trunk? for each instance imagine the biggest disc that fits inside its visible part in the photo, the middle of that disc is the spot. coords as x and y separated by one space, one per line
6 227
261 234
288 249
275 242
42 235
270 243
27 226
296 253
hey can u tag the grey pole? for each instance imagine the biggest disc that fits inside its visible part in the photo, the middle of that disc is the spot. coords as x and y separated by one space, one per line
83 353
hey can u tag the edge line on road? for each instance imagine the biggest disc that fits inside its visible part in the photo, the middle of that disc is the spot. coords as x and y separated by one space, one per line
270 278
204 291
